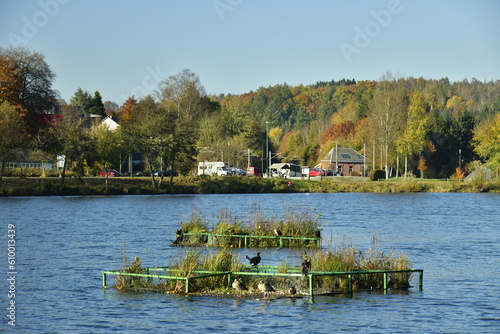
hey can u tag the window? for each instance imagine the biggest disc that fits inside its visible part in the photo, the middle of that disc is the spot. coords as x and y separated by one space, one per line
346 156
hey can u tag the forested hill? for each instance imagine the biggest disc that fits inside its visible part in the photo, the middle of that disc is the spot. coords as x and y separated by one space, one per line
391 118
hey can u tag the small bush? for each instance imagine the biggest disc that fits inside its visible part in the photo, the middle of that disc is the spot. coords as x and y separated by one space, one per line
377 174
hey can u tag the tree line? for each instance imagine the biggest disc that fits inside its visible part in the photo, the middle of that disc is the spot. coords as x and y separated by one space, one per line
402 125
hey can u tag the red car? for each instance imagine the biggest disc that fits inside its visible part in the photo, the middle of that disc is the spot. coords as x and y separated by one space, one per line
316 172
254 171
109 172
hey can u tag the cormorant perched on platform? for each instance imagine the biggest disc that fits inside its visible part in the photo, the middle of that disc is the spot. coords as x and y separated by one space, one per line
179 236
318 233
306 264
238 286
265 288
306 267
254 260
277 231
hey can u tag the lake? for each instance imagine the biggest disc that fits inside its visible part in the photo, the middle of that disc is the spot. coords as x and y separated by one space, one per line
63 243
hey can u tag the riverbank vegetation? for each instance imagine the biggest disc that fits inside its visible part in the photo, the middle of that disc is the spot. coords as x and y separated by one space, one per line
38 186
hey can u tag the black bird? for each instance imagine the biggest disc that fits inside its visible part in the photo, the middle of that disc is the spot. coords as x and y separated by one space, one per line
238 286
306 267
254 260
292 290
318 233
306 264
277 231
179 236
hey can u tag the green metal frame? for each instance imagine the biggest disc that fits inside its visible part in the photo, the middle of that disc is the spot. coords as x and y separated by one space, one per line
263 271
246 237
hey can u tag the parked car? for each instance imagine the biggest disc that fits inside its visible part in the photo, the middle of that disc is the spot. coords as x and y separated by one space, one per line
166 172
254 171
316 172
331 172
143 173
109 173
238 171
170 172
224 172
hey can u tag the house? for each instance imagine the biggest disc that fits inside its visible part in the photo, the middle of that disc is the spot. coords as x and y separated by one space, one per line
111 123
345 161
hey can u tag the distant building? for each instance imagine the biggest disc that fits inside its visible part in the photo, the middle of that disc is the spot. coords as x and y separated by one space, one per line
111 123
344 161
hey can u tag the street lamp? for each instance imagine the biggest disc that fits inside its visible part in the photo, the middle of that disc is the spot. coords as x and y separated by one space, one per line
460 158
267 148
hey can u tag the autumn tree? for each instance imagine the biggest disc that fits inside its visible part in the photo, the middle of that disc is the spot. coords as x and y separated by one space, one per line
111 108
127 109
422 166
149 130
26 82
182 95
69 139
413 138
11 133
108 147
387 114
30 79
487 142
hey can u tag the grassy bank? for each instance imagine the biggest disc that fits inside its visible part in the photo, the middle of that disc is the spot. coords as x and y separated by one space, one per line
38 186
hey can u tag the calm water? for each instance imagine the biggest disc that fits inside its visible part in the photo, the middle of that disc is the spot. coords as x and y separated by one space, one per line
63 244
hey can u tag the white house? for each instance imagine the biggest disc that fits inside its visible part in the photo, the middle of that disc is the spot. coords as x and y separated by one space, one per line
111 123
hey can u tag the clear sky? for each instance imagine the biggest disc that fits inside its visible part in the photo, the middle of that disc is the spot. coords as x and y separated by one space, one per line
123 48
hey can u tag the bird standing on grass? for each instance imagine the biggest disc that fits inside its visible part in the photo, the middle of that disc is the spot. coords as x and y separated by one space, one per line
306 264
254 260
265 288
238 286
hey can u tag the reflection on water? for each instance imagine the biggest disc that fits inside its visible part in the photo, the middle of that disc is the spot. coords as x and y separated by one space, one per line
65 242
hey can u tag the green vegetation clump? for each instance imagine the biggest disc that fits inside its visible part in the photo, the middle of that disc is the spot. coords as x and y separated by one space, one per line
130 283
229 232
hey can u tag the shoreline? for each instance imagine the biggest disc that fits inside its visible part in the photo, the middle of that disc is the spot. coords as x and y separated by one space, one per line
49 186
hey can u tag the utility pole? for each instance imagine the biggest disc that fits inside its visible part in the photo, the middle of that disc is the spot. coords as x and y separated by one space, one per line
267 148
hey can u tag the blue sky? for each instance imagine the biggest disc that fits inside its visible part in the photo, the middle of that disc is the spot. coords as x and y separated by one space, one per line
124 48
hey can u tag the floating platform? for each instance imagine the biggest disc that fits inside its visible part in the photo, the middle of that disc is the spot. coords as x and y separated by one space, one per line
243 240
263 271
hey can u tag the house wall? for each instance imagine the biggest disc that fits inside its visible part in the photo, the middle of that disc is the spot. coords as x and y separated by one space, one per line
346 168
